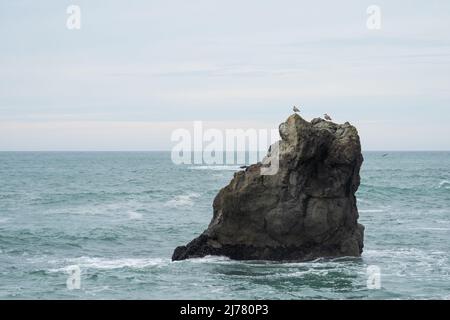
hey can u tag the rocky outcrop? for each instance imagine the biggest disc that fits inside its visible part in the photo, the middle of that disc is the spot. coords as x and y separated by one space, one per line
304 210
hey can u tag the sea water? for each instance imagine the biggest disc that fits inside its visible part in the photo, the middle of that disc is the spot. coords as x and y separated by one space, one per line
117 216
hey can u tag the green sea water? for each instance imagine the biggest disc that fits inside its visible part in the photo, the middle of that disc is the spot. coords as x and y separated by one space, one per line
119 215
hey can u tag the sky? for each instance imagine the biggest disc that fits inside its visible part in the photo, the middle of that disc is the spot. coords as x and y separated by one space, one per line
137 70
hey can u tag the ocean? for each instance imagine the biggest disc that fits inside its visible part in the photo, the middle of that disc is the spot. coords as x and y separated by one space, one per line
117 216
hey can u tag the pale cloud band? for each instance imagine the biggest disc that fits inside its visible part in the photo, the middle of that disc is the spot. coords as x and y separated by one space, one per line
137 70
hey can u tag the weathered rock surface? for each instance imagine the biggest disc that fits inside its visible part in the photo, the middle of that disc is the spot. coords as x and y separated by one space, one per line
305 211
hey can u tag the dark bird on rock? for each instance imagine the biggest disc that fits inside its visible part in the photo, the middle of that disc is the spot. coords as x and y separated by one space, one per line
327 117
295 109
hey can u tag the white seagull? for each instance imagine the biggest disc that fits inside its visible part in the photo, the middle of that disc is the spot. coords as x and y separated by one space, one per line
327 117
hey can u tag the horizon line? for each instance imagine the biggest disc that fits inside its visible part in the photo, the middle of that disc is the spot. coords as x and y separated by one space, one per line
138 150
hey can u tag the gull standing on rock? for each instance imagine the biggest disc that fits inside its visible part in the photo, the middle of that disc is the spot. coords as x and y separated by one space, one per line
327 117
295 109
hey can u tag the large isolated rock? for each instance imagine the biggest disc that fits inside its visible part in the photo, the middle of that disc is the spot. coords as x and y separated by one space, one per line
305 211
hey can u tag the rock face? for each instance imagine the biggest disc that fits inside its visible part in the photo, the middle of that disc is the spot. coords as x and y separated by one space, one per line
304 211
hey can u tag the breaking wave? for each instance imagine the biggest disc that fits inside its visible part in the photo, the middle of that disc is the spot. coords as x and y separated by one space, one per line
444 184
185 200
103 263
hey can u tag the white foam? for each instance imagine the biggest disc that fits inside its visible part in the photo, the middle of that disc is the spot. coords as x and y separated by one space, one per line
408 262
432 229
215 168
186 200
211 259
410 253
370 210
310 271
444 184
133 215
103 263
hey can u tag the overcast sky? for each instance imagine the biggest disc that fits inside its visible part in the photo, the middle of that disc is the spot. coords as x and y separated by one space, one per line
137 70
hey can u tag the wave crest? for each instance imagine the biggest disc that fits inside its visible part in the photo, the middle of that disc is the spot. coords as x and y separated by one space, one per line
185 200
103 263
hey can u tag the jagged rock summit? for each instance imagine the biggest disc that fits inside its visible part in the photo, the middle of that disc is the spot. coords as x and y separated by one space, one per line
304 211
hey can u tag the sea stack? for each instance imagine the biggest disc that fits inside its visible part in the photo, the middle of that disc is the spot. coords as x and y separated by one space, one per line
304 209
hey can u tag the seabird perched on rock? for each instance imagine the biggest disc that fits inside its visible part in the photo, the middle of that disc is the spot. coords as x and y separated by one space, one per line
243 167
295 109
327 117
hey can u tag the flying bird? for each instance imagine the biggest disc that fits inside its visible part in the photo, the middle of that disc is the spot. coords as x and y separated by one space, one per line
295 109
327 117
